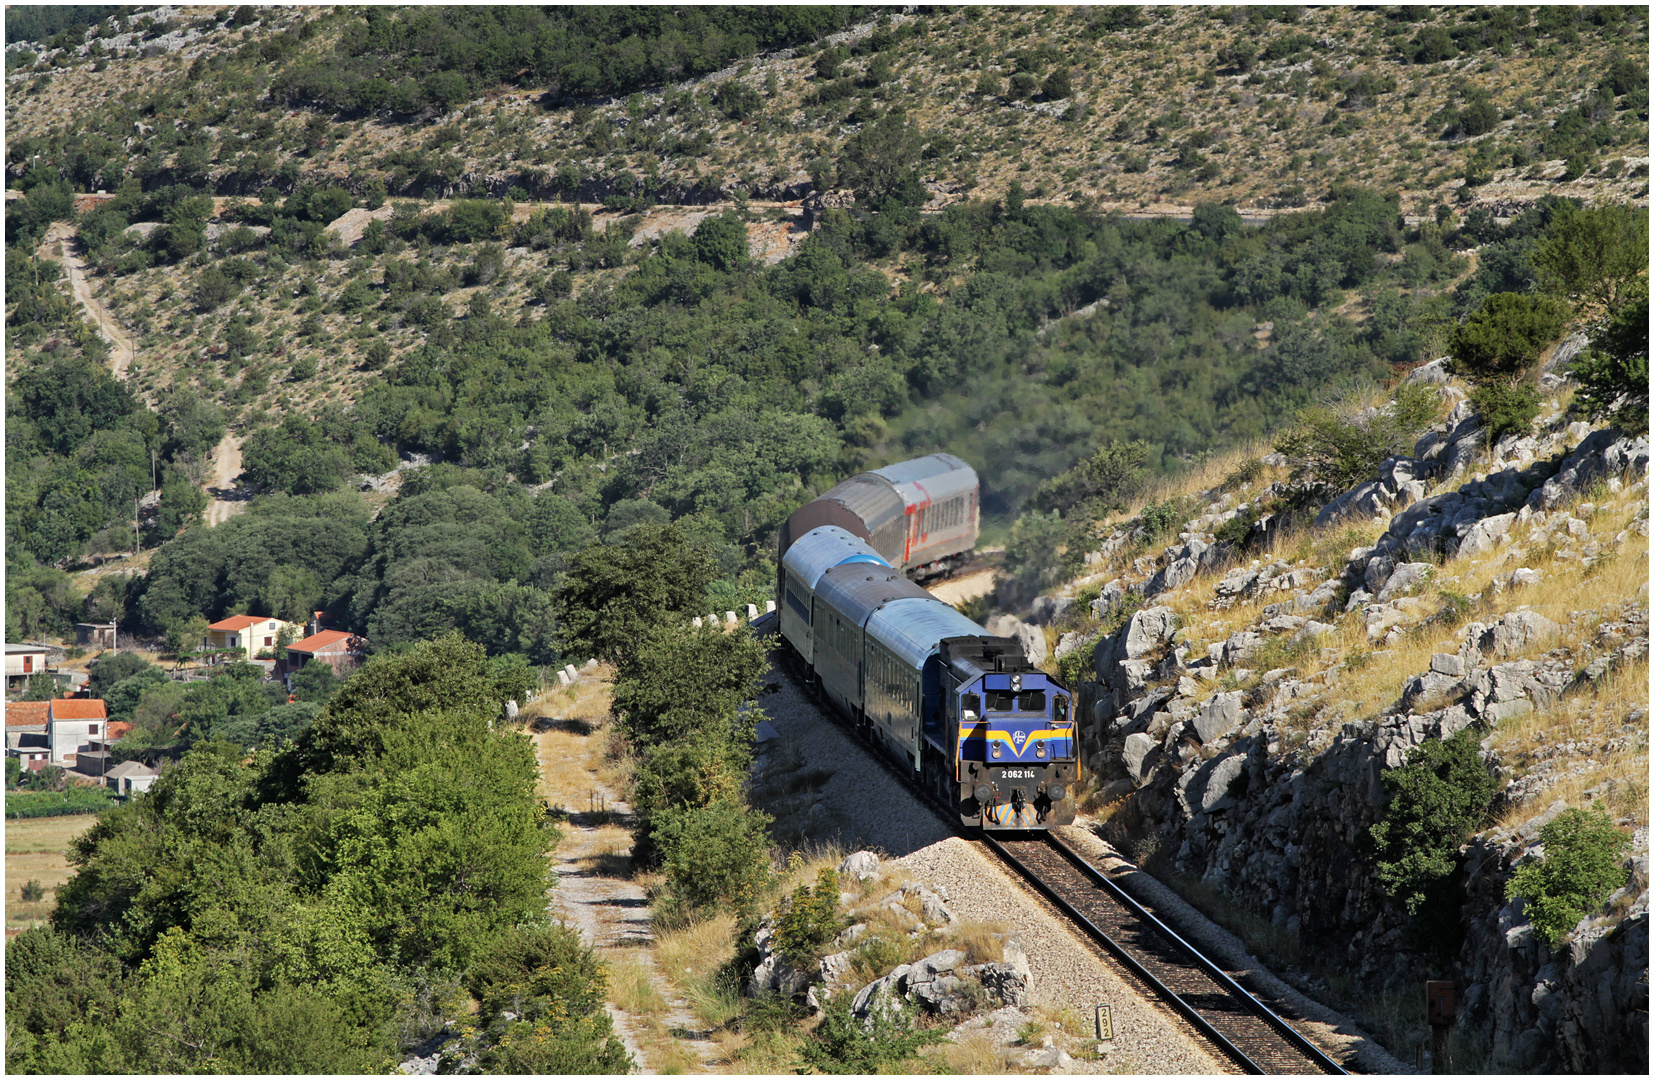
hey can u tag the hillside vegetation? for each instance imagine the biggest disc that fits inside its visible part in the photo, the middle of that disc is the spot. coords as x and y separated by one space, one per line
578 369
1302 353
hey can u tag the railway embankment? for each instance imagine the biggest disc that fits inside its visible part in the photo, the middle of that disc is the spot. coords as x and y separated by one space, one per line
1287 725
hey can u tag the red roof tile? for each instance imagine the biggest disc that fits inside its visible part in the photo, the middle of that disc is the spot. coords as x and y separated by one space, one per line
78 709
117 729
25 713
320 641
237 622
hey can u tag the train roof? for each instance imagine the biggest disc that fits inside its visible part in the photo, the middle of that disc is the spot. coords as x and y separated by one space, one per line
912 628
819 550
922 468
856 591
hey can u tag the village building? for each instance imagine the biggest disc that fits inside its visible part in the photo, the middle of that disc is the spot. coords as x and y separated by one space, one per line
23 662
249 634
338 649
130 777
58 732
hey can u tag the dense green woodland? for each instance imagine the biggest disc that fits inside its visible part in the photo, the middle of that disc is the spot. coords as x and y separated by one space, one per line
700 388
323 906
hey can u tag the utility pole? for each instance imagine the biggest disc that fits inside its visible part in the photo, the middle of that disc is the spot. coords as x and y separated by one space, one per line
137 540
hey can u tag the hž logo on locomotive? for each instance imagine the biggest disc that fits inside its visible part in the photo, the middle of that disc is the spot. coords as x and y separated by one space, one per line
971 720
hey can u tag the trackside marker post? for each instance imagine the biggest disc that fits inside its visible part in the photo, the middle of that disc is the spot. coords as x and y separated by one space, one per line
1105 1022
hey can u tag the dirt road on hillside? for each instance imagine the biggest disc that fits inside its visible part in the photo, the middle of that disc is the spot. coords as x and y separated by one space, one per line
60 245
227 499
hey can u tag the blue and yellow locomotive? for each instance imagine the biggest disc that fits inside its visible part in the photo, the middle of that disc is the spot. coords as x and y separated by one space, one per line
968 717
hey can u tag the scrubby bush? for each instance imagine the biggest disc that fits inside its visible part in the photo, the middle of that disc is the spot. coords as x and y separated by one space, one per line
1437 800
1506 407
811 919
1579 868
843 1045
1504 337
1336 446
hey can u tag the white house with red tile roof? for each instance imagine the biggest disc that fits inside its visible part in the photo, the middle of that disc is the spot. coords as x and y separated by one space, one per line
339 649
249 634
55 731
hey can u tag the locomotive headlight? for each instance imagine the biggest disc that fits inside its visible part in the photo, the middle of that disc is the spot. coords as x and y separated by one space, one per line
1057 792
1016 683
996 750
1039 750
984 793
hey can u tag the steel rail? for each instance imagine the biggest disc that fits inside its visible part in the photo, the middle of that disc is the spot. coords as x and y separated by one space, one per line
1113 891
1122 954
1221 978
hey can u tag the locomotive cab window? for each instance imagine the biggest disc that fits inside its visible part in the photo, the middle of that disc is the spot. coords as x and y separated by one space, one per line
1059 708
1031 701
1001 700
970 705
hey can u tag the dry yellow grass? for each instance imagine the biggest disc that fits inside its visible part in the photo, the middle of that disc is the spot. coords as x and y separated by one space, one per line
974 1054
36 850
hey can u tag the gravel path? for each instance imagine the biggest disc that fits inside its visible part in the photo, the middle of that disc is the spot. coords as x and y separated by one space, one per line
596 895
845 797
225 500
59 244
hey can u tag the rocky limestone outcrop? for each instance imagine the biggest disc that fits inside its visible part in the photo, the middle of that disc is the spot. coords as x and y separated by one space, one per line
941 984
1265 794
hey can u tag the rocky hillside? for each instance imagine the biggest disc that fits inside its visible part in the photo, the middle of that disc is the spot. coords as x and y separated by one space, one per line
1136 108
1254 707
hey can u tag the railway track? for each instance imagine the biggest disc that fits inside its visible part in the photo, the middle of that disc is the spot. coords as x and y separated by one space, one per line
1240 1026
1243 1028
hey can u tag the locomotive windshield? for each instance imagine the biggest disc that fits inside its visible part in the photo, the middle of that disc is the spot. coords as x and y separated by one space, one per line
1000 700
1031 701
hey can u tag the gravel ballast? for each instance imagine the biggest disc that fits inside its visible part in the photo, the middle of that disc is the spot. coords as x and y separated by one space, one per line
851 799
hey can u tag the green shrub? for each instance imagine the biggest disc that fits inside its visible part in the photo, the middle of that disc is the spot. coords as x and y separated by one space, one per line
1437 800
715 854
1338 448
1159 519
1104 482
811 920
843 1046
1504 337
33 891
1613 375
1506 407
1579 868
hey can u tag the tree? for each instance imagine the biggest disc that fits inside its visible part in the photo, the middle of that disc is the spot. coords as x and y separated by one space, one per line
721 242
679 683
1437 799
878 161
315 681
40 686
615 594
1592 255
1579 867
1502 339
1613 374
1057 85
449 674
